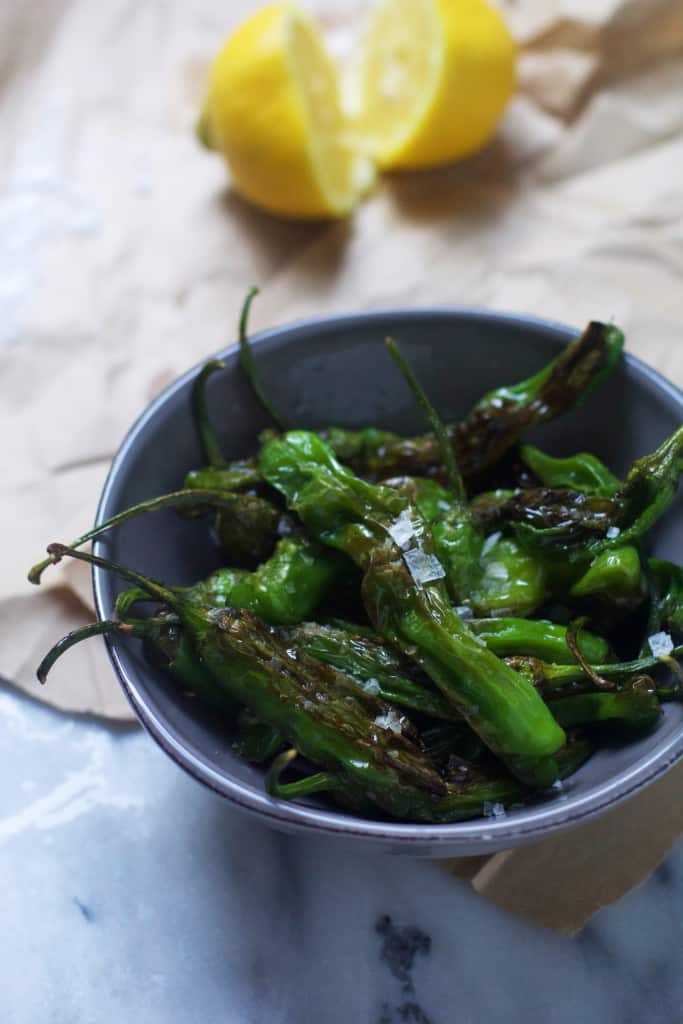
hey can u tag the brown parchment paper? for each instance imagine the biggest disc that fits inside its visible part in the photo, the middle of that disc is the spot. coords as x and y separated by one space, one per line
124 257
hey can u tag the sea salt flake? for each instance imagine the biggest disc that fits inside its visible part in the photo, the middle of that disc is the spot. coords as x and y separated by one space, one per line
493 810
402 531
490 542
613 532
496 571
391 720
371 686
422 567
661 644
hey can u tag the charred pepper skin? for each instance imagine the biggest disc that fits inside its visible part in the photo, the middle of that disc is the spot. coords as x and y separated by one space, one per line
356 517
576 527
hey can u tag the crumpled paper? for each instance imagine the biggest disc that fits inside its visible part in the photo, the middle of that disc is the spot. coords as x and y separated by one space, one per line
124 255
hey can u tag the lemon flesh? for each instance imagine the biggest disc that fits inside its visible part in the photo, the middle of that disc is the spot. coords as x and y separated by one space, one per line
434 79
273 111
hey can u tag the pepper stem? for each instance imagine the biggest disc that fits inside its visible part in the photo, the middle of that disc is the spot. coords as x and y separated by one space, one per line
200 409
572 641
435 422
70 640
321 782
126 600
176 499
152 587
249 366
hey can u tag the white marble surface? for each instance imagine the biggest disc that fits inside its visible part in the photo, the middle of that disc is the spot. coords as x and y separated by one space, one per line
132 894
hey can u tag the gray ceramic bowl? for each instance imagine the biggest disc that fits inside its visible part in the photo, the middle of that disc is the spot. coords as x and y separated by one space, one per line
336 371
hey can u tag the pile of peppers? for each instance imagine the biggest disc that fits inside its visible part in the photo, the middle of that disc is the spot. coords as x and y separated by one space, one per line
426 629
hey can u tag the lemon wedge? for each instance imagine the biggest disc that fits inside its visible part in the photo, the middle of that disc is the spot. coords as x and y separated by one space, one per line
433 80
273 111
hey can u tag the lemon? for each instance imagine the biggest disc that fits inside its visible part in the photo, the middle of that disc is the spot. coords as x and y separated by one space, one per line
273 111
434 78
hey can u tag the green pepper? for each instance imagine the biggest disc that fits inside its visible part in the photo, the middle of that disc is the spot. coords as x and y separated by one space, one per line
407 602
576 527
292 583
373 666
582 472
285 589
256 741
492 428
357 447
513 582
615 575
501 417
538 639
240 475
492 575
634 707
666 608
560 680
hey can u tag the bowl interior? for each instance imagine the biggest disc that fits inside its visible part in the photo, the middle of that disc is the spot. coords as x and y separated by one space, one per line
338 372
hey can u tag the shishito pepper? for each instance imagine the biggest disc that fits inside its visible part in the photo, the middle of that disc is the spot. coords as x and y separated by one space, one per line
666 597
582 472
502 416
285 589
491 575
508 637
575 527
406 600
373 666
615 576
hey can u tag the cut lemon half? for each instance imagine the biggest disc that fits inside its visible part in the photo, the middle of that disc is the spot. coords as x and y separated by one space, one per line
433 80
273 111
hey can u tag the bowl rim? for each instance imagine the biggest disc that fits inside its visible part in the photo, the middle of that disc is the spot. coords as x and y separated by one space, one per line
539 819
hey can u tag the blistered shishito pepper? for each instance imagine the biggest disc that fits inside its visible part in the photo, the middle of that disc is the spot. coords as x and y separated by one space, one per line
357 740
666 597
285 589
582 472
615 576
373 666
636 706
563 680
576 527
491 575
407 602
508 637
502 416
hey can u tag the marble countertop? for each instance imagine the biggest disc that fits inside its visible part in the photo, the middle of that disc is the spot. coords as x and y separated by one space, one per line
132 893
